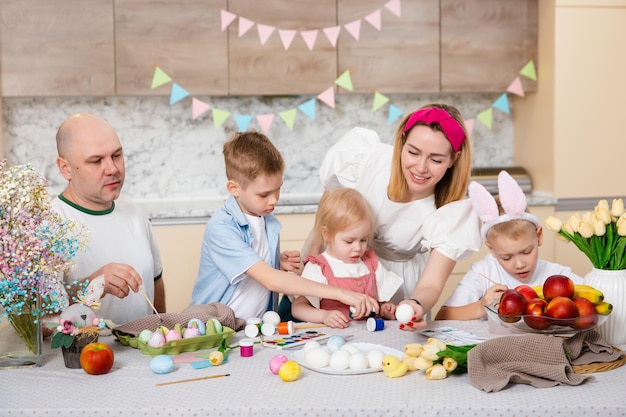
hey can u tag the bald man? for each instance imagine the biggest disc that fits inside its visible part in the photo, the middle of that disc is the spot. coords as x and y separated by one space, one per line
121 244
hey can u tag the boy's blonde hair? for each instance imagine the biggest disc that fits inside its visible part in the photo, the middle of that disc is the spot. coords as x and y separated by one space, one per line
453 185
512 229
341 208
250 154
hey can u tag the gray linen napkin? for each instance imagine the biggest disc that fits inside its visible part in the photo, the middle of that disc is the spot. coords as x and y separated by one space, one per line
535 359
222 312
589 347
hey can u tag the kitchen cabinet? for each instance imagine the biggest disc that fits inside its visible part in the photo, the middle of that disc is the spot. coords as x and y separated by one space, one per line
485 43
183 39
57 48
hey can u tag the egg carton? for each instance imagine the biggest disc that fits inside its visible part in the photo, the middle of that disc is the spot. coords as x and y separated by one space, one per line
175 347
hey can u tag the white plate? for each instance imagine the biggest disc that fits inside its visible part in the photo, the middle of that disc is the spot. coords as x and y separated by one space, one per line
363 348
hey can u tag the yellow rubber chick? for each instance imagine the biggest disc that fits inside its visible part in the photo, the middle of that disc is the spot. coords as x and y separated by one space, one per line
394 367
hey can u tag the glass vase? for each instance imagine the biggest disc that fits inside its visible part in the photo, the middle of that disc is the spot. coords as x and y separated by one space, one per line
612 283
21 338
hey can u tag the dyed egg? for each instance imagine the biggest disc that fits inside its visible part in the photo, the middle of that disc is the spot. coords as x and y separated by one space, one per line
335 343
317 357
156 340
191 332
218 326
404 313
172 335
144 336
276 362
340 360
271 317
311 344
198 324
350 348
375 358
289 371
162 364
358 361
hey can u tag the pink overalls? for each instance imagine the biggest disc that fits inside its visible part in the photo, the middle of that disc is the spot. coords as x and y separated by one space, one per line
365 284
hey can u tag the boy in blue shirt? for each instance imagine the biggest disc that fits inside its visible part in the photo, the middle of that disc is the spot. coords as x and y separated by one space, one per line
240 248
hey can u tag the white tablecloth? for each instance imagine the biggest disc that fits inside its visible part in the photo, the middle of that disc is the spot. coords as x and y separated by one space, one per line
252 390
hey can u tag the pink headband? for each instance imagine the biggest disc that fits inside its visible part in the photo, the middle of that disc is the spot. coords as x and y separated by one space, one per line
451 128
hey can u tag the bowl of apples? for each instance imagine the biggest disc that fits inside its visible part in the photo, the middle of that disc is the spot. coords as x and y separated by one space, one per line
557 307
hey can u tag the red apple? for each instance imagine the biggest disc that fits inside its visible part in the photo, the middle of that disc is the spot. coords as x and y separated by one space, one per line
562 308
535 317
512 306
587 316
558 286
96 358
527 291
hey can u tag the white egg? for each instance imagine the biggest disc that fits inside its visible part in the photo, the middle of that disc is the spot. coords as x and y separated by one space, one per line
340 360
317 357
404 313
350 348
358 361
335 343
311 344
375 358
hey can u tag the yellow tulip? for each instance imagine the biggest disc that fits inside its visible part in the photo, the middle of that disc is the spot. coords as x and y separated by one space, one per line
599 228
436 372
621 226
585 229
449 363
617 209
553 223
573 221
421 363
603 204
604 215
567 228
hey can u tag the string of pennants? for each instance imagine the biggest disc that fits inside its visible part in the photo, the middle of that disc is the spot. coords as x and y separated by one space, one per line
309 36
309 107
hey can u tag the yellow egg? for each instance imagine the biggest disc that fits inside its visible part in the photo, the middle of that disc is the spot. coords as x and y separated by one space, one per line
289 371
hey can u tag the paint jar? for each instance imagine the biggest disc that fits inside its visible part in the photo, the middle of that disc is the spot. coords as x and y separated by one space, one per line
375 324
285 327
253 327
246 348
268 329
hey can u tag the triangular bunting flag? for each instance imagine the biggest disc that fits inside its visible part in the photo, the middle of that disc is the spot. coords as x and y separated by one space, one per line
159 78
289 117
354 29
469 126
374 19
264 32
244 25
379 101
516 87
308 108
502 103
394 113
529 71
243 121
309 37
332 34
286 36
178 93
394 7
265 120
328 97
219 116
227 19
486 117
344 81
198 107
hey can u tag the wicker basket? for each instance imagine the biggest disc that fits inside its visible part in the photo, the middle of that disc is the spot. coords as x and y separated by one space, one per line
592 368
71 355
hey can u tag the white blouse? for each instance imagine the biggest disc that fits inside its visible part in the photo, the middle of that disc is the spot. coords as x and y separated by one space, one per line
404 232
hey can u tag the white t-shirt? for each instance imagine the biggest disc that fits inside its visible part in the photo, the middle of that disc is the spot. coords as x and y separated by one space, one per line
473 286
405 232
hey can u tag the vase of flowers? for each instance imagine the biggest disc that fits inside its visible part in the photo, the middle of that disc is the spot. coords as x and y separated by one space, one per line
601 236
37 246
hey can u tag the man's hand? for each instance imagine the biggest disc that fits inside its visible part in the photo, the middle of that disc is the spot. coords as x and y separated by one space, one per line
119 279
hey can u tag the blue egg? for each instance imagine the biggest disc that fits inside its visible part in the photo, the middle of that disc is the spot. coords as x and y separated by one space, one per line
162 364
335 343
199 324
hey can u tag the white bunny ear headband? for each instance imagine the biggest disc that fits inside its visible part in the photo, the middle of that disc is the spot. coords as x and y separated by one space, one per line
512 199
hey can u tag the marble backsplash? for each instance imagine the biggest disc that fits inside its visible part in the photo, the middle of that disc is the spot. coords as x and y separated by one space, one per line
174 163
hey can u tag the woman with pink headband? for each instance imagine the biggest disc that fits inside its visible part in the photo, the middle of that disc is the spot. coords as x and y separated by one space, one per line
417 189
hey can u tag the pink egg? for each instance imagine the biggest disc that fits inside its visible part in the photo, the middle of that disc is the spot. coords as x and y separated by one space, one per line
276 361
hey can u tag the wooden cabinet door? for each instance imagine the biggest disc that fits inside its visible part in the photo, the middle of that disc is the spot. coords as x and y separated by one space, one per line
56 48
485 43
403 57
182 38
269 69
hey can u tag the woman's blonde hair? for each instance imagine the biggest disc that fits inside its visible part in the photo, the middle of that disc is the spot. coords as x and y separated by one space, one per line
339 209
453 185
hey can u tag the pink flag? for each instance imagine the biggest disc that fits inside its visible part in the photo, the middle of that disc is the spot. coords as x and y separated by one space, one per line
328 97
265 120
332 34
198 107
516 87
227 19
394 7
354 29
469 125
309 37
286 36
374 19
244 25
264 32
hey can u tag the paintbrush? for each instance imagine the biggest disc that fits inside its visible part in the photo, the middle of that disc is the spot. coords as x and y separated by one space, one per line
151 305
180 381
488 279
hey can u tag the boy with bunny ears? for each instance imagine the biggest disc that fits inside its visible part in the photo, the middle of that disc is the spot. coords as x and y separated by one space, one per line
513 237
